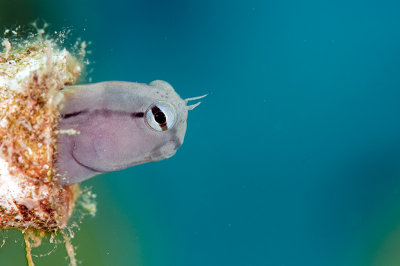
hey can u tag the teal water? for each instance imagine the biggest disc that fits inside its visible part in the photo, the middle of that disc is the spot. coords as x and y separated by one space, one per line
292 159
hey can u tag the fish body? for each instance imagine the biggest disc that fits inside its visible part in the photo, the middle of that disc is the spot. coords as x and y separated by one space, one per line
110 126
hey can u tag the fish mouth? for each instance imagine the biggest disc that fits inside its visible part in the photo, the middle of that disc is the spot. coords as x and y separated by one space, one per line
161 157
159 153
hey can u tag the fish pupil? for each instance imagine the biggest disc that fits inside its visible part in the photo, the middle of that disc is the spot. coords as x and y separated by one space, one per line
160 118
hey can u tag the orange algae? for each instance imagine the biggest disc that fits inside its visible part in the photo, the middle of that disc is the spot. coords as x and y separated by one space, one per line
31 74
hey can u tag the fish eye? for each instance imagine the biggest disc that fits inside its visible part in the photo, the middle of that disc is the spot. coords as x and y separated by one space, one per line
160 116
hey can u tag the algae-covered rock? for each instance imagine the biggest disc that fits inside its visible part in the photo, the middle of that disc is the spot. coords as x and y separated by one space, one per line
32 70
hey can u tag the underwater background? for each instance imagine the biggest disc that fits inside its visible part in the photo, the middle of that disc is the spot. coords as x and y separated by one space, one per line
292 159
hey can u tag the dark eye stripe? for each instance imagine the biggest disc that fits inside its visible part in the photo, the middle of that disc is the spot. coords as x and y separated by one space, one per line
66 116
104 112
137 115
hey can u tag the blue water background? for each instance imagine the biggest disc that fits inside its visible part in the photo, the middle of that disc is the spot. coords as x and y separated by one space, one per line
292 159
